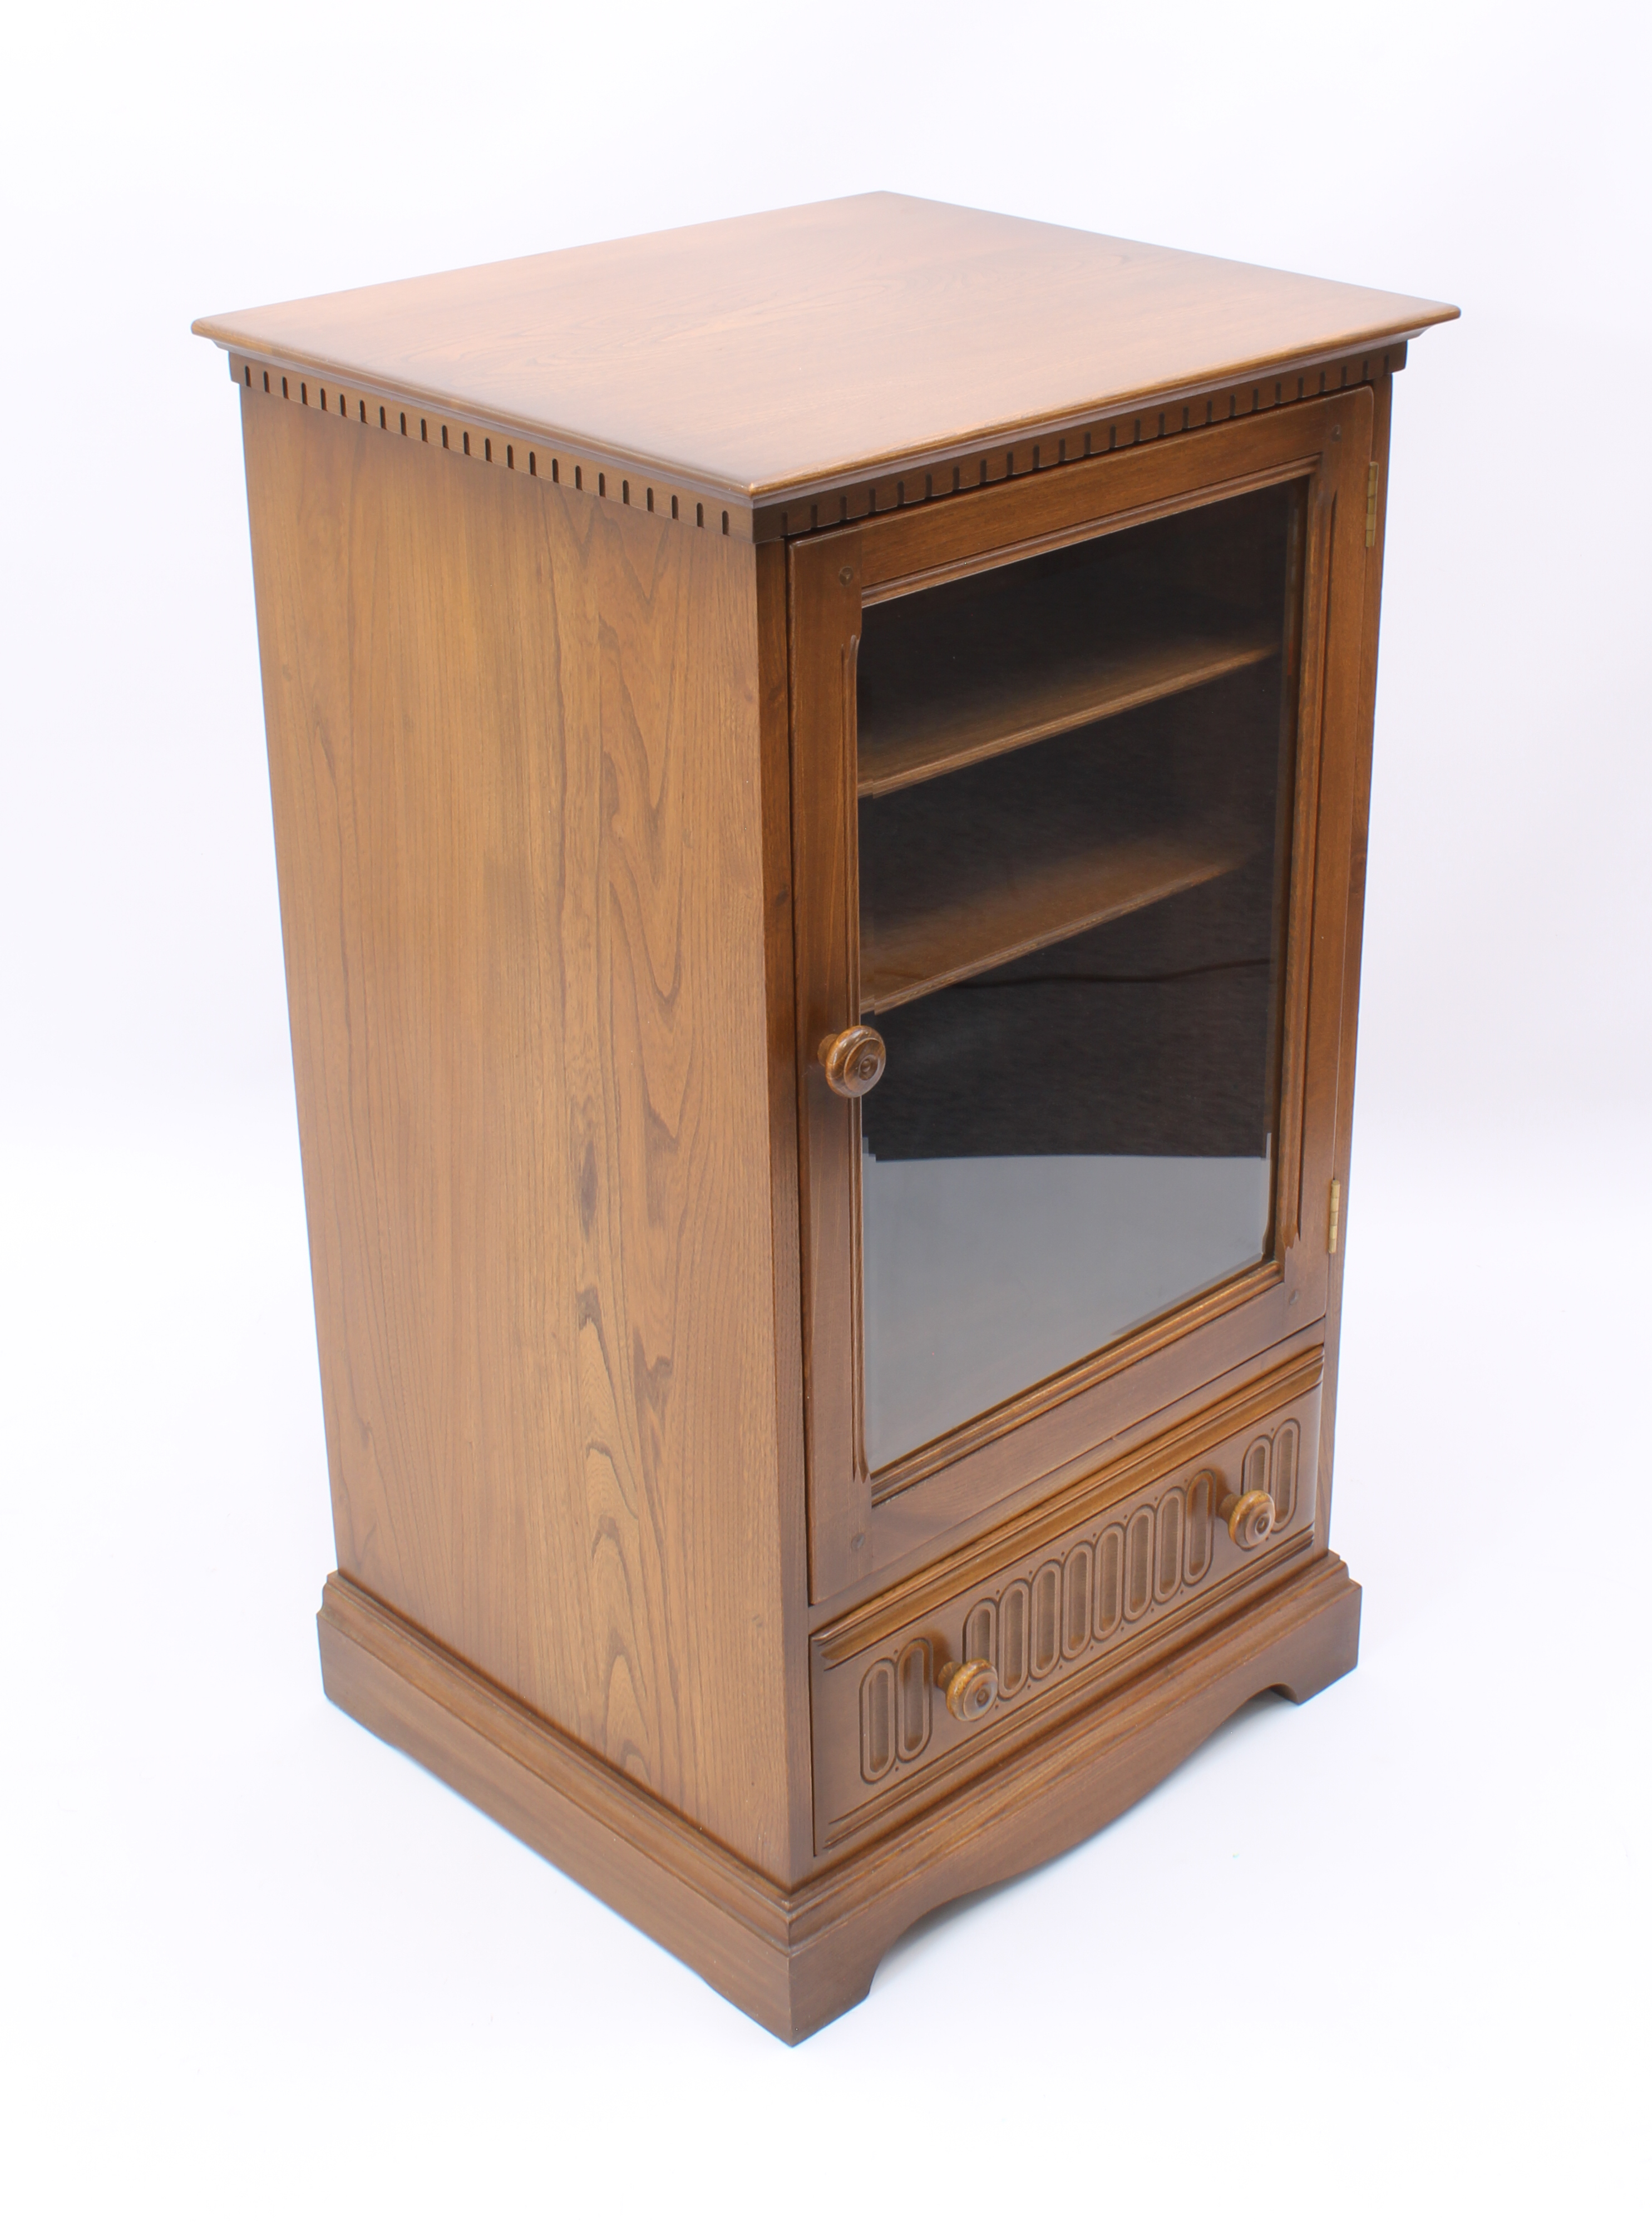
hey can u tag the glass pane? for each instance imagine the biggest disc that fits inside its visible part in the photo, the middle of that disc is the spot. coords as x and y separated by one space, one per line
1075 777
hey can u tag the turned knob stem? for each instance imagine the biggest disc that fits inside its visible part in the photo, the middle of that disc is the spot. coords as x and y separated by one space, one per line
1249 1517
969 1689
854 1060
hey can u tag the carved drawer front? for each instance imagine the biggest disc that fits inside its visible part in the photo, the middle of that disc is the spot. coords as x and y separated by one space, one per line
1046 1617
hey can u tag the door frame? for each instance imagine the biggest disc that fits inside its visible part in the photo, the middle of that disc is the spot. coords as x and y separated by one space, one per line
861 1526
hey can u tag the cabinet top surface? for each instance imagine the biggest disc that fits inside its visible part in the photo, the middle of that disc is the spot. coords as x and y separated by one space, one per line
808 346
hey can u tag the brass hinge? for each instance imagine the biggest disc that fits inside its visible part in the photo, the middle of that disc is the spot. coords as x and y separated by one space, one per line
1336 1196
1371 525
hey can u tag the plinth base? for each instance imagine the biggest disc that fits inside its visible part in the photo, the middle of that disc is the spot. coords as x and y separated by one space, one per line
794 1959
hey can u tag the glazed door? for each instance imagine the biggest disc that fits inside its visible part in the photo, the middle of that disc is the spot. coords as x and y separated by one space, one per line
1071 771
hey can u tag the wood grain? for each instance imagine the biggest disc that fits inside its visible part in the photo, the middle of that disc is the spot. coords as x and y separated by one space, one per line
780 957
518 790
823 600
799 348
941 925
794 1959
1006 669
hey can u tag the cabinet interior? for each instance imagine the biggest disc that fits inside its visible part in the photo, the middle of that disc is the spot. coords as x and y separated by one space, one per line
1074 779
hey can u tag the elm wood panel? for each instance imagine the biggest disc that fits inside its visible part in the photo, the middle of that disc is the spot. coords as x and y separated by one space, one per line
774 707
517 773
824 616
1321 922
959 1478
1009 668
945 923
1061 1550
795 347
794 1959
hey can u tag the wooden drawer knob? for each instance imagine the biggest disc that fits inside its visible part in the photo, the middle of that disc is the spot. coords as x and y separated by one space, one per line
854 1060
1249 1517
970 1689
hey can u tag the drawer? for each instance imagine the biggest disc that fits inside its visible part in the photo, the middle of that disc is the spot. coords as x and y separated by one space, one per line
1060 1606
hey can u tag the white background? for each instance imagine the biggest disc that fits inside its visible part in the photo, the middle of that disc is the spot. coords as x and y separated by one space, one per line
1384 1955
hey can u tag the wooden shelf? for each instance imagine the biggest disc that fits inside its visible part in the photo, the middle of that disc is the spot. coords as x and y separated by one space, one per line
1000 663
933 935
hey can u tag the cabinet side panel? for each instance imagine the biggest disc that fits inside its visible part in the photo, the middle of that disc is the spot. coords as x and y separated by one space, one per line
514 755
774 705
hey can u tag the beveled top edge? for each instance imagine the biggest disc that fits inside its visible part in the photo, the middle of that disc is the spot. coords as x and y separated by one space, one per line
787 353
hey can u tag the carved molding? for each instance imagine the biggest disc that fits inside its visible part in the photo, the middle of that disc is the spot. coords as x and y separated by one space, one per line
471 439
1046 449
608 477
1061 1615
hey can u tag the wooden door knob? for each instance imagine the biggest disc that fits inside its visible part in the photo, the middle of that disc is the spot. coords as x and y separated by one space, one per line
854 1060
970 1689
1249 1517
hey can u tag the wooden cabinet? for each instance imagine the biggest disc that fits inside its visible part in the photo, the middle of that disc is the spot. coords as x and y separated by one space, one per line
820 770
